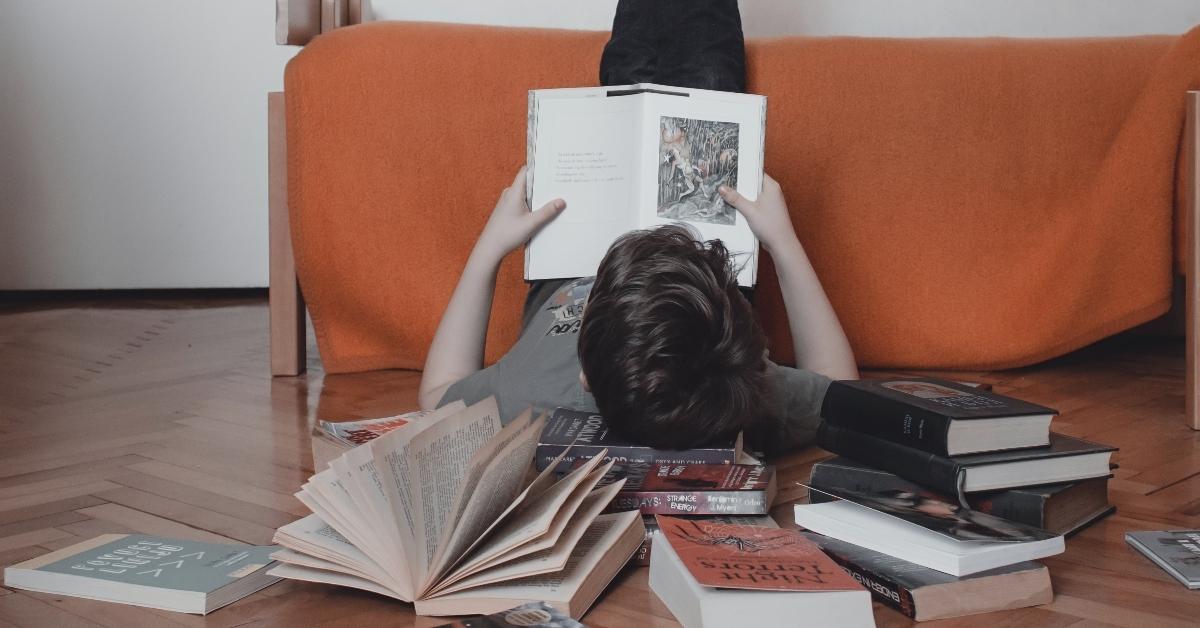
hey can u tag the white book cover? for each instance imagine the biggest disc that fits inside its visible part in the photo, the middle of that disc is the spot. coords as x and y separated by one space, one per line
635 157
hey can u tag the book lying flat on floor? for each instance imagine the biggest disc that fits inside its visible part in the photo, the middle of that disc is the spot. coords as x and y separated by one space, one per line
531 615
1176 551
1067 459
331 439
924 594
636 156
714 574
586 434
928 532
938 416
645 550
1057 508
694 489
143 570
444 514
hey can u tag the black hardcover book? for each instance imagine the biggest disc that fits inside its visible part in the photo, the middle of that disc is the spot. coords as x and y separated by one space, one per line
923 594
937 416
1059 508
1067 459
587 434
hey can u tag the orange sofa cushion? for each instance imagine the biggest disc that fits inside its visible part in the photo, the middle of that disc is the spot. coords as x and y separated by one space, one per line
979 203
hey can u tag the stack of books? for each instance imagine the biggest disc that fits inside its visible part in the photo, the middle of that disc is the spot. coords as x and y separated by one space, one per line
719 483
939 485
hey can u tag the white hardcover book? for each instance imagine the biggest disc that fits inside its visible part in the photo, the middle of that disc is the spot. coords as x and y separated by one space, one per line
638 156
697 606
862 526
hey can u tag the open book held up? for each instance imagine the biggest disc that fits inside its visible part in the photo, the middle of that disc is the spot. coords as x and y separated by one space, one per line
444 513
637 156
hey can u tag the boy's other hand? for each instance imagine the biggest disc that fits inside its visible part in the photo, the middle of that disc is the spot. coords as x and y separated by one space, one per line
768 216
511 223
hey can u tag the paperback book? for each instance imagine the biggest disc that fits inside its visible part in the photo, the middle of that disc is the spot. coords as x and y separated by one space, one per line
713 574
937 416
924 594
646 549
155 572
1058 508
331 439
531 615
929 532
1176 551
694 489
445 514
586 434
636 156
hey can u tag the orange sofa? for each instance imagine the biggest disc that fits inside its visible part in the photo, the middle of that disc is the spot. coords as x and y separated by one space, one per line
968 203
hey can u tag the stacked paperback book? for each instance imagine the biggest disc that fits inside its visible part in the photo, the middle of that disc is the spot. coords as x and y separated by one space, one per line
942 487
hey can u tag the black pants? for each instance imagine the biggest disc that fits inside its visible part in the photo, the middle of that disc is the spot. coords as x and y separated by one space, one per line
685 43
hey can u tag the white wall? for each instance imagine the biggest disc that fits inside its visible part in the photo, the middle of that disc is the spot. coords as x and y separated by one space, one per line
133 136
889 18
133 142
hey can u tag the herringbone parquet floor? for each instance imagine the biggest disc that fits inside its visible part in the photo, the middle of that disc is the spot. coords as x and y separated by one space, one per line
160 417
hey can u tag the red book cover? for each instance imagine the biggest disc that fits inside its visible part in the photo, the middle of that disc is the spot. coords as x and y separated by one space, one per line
749 557
696 489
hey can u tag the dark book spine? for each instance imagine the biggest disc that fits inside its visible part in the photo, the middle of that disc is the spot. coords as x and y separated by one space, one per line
1016 505
642 556
547 452
883 589
850 407
692 502
924 468
1019 506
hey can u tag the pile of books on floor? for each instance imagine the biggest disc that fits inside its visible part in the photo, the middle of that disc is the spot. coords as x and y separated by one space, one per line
942 487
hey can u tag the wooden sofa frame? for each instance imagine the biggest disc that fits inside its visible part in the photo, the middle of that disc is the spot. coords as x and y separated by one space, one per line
288 340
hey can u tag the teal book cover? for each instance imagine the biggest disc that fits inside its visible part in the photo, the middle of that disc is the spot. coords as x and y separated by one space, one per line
166 563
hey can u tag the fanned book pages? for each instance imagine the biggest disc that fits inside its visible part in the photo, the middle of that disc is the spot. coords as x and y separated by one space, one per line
637 156
447 514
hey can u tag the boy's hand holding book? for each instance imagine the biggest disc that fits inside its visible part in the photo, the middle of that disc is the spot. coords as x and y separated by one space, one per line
512 223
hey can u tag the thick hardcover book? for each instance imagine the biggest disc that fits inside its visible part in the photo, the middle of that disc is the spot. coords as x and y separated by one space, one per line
637 156
1060 508
1067 459
714 574
924 594
142 570
937 416
1176 551
587 434
695 489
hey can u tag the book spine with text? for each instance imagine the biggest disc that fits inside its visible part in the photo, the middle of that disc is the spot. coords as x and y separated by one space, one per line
622 455
1019 506
888 419
693 502
883 588
926 469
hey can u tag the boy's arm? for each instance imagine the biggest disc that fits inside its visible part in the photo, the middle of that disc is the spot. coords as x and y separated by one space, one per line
457 348
817 336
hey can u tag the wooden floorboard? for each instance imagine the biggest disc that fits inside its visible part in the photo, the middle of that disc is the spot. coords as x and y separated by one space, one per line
158 415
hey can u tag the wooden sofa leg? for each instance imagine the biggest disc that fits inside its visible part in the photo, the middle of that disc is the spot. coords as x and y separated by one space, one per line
287 303
1192 268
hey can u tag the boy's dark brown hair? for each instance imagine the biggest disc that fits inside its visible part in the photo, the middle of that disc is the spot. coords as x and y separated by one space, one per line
670 348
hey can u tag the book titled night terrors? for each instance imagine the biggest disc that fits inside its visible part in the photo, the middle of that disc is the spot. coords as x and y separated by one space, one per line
587 434
937 416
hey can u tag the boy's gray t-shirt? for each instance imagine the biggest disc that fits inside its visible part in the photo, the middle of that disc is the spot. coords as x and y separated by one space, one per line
542 370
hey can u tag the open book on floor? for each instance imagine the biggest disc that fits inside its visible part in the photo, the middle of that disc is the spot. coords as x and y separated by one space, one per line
637 156
443 513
